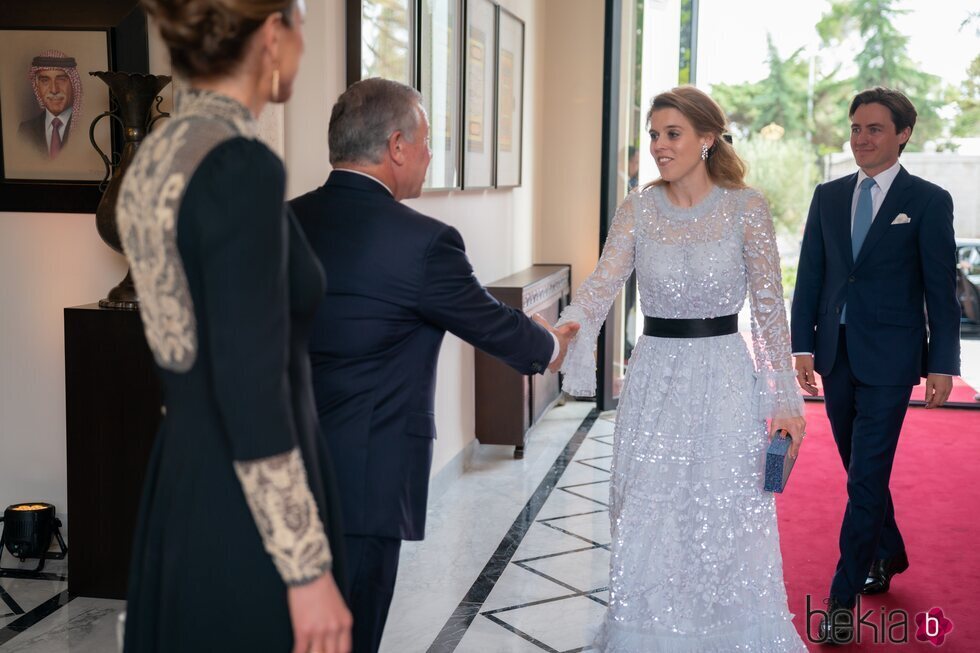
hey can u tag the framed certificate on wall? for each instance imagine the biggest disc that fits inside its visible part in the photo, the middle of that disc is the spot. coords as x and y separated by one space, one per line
510 99
440 80
479 94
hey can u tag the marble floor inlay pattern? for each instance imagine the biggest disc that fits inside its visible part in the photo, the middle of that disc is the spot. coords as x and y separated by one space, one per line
554 591
38 615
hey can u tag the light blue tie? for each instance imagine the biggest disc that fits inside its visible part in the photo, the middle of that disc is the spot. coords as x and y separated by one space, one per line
862 224
862 217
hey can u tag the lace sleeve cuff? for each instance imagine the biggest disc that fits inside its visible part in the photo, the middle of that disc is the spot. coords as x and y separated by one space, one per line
579 365
286 515
777 395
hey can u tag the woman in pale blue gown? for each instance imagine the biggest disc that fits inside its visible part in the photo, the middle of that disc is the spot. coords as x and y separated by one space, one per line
695 564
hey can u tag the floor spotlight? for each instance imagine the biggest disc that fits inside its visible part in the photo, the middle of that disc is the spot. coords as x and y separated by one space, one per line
27 532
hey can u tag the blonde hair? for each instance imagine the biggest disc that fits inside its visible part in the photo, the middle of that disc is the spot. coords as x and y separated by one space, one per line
725 168
206 38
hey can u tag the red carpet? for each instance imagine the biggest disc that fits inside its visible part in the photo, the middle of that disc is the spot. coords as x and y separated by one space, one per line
937 502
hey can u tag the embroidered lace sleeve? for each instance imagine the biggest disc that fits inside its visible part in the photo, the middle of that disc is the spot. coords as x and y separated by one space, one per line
776 390
594 298
286 515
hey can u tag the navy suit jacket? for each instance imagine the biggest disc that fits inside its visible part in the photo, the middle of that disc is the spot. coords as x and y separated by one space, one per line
901 270
396 282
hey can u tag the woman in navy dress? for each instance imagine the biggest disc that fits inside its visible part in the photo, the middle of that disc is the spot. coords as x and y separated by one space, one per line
237 543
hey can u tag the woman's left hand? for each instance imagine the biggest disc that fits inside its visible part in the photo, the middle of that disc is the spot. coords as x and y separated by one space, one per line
795 427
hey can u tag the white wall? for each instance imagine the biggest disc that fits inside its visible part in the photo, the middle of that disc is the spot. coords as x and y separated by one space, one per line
50 261
570 115
47 261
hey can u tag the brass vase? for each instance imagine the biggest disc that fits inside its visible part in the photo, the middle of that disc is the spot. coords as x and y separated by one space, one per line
133 96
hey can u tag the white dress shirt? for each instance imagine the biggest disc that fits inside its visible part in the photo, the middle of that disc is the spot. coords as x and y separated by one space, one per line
883 181
557 348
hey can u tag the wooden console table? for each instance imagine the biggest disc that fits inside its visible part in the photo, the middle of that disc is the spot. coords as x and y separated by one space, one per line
508 404
113 400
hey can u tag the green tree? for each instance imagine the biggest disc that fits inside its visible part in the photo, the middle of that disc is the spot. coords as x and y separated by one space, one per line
831 98
782 98
966 96
785 170
966 99
687 36
385 43
882 58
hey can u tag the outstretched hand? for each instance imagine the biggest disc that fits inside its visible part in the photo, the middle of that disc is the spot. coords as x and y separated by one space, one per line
564 333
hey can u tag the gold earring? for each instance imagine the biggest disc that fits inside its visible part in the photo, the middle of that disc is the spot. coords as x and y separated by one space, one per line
275 85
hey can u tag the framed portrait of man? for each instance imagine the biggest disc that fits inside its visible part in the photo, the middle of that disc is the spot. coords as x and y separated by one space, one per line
48 99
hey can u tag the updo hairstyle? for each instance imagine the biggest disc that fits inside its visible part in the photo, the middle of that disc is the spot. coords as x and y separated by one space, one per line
206 38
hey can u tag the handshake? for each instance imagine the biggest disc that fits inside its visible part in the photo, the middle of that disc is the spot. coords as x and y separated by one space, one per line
564 334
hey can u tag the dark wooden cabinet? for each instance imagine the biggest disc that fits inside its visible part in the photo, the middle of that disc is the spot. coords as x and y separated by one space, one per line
113 401
508 403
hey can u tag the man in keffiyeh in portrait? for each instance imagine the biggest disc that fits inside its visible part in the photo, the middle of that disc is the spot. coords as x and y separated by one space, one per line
58 89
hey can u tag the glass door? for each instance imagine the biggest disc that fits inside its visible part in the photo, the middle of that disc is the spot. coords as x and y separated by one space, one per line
634 73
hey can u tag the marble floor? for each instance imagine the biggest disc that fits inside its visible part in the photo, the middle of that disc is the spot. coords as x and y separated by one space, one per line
515 559
39 616
530 573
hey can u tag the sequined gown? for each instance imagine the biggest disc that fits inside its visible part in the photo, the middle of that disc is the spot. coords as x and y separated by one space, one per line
695 564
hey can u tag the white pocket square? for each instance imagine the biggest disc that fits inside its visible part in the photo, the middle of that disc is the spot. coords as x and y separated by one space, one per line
902 219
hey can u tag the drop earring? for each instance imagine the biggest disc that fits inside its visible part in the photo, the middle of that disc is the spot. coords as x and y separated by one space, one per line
275 85
704 151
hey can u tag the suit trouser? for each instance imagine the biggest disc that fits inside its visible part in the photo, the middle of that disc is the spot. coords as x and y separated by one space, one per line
866 421
372 564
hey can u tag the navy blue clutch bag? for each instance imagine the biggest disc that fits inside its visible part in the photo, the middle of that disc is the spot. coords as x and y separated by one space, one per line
779 464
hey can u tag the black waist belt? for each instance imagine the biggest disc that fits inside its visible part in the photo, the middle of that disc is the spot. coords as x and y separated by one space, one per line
709 327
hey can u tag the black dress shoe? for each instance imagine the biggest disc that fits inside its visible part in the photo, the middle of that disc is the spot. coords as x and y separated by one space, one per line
880 577
838 626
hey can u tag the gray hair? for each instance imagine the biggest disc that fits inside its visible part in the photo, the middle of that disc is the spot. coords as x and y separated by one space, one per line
366 115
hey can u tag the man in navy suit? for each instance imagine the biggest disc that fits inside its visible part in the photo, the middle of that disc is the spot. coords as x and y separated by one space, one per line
878 246
396 282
